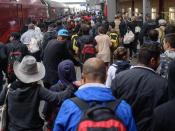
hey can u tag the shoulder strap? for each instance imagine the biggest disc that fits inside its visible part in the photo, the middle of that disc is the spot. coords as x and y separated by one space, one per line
8 87
80 103
113 104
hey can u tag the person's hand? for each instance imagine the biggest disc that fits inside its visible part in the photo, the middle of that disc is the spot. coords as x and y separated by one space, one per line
78 83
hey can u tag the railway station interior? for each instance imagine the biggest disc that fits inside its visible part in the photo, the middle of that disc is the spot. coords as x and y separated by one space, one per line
87 65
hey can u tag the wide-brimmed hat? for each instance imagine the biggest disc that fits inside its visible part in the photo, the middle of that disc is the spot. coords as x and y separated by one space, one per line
29 70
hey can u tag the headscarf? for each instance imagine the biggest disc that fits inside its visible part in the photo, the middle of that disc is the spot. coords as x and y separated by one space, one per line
66 72
171 80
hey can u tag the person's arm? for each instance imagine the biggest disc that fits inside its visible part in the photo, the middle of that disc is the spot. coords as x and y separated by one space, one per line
54 97
2 96
48 107
110 74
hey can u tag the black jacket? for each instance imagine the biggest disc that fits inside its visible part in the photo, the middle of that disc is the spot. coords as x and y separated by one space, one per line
46 38
164 115
144 90
54 53
23 105
123 27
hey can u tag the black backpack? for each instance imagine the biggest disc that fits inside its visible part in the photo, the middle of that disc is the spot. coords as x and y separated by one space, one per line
120 68
98 117
15 54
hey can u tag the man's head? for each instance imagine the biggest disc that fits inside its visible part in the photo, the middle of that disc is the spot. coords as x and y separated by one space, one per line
101 30
59 23
153 35
169 42
31 26
149 55
62 35
85 29
94 71
14 36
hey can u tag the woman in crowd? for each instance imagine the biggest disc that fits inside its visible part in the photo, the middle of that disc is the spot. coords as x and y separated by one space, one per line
103 46
119 65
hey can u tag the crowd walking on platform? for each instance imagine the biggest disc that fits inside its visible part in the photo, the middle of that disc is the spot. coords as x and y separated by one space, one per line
127 75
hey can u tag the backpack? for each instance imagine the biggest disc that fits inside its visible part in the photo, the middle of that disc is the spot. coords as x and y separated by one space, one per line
15 54
120 68
87 52
98 117
74 43
161 34
114 39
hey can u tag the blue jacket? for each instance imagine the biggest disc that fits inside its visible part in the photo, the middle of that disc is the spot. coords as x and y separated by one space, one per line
70 115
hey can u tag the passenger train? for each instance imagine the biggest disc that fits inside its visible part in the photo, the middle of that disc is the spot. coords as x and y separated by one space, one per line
14 14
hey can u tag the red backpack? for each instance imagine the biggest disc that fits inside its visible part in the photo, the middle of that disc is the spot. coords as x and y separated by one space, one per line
98 117
87 52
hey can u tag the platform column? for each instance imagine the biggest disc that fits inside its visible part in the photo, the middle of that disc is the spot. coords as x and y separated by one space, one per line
146 8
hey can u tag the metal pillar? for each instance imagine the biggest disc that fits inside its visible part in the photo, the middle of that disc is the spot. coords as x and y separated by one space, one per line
146 8
111 5
133 7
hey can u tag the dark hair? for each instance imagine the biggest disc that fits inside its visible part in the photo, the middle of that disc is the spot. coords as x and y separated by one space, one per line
85 29
148 51
95 69
101 30
34 22
170 29
59 23
15 35
112 24
120 52
153 35
170 38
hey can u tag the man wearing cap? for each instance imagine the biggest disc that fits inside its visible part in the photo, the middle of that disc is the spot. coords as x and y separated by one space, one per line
55 52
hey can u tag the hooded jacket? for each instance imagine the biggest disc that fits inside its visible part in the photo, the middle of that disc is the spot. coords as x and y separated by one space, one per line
66 74
23 104
163 118
167 57
114 69
70 114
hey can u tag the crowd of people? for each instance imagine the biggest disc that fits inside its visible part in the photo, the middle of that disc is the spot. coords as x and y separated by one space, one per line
113 93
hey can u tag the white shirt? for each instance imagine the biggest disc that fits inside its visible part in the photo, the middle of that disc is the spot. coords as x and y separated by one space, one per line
110 75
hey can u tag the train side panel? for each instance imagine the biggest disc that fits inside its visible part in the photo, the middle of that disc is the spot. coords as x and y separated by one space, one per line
9 21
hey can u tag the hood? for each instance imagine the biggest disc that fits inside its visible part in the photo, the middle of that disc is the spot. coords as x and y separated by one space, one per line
21 90
123 64
66 71
171 80
94 92
170 54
